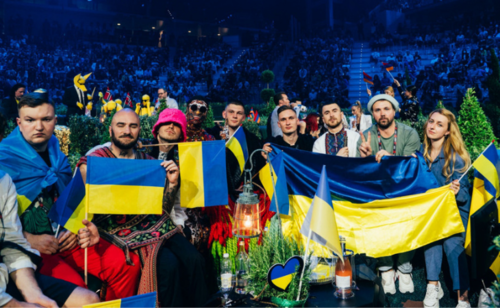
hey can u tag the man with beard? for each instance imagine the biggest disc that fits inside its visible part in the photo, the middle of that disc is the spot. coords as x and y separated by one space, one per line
289 123
390 138
234 115
31 155
170 266
338 140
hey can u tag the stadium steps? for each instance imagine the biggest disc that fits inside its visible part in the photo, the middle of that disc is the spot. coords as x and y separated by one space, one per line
281 65
360 62
230 63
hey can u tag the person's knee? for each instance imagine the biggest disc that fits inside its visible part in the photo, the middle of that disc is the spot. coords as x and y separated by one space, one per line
81 297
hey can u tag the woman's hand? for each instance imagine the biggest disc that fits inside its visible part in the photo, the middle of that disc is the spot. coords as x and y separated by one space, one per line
455 186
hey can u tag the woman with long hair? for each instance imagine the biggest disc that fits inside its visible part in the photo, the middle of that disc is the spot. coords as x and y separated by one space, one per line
312 125
359 122
446 156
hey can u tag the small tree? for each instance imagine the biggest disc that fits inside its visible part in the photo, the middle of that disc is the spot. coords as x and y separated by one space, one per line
474 126
267 76
209 120
163 105
267 94
440 105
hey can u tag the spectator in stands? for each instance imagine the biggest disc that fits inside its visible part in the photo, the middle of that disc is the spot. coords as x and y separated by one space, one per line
312 125
162 94
410 108
374 57
273 127
359 122
10 104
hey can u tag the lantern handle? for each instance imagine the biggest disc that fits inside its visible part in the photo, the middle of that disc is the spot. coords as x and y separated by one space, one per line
248 172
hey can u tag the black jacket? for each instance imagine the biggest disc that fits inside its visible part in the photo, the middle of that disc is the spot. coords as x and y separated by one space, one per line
70 99
234 176
9 108
304 142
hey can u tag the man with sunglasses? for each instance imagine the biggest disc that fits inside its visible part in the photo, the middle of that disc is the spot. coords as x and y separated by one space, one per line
196 114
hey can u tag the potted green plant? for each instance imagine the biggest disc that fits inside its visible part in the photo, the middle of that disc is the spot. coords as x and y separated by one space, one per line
276 249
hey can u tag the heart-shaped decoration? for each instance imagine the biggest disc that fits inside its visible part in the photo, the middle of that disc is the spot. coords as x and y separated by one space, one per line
280 277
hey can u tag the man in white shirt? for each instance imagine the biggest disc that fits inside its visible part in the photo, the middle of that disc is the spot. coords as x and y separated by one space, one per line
162 94
27 289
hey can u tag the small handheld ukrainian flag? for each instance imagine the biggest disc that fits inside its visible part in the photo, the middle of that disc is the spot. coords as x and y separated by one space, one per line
124 186
238 145
279 189
147 300
203 174
69 209
320 220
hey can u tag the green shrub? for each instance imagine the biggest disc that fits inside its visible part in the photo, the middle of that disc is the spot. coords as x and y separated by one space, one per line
86 133
276 249
11 125
474 126
147 124
209 121
266 110
61 109
267 94
267 76
252 127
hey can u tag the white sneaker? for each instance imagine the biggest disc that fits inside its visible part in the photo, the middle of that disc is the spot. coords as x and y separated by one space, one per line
433 295
463 304
405 283
485 300
388 284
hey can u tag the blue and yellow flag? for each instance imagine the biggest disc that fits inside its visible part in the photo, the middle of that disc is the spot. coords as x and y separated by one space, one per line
203 174
320 219
486 187
381 209
280 182
28 170
124 186
69 209
147 300
238 145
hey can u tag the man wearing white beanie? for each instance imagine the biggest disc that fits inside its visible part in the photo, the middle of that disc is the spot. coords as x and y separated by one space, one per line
390 138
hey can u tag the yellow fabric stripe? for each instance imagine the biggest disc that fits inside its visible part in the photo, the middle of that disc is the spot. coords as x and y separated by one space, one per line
488 171
387 227
323 224
23 204
235 147
74 223
191 169
125 200
283 282
480 196
495 266
266 180
116 303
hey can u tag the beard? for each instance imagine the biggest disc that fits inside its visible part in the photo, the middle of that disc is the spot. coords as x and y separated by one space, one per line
335 125
121 145
169 139
389 123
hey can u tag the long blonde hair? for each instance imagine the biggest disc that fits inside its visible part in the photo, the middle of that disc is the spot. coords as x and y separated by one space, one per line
453 144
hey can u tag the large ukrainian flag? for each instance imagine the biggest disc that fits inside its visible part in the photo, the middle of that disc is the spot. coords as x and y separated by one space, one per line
486 187
124 186
381 209
238 145
147 300
203 174
69 209
281 193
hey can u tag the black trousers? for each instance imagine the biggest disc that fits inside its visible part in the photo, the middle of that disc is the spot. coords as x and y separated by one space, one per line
181 274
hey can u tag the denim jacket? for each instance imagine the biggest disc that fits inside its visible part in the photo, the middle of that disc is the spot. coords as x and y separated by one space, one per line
463 197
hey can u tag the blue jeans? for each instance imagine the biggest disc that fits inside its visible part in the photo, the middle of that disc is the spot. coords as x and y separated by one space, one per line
455 254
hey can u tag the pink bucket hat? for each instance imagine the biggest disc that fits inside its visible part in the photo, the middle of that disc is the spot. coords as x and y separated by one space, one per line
171 115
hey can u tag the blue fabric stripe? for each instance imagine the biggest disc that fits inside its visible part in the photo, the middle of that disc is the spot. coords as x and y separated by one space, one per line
281 186
147 300
214 173
491 154
69 200
242 139
487 184
131 172
358 180
323 191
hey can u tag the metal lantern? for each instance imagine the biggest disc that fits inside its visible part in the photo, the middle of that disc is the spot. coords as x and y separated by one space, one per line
247 215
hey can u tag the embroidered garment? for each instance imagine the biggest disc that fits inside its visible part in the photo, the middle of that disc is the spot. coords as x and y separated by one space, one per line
335 142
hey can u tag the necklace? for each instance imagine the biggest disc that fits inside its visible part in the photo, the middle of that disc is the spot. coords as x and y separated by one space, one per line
395 140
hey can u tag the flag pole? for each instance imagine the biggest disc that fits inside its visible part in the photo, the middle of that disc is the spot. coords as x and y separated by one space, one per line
275 195
57 231
305 262
476 159
233 134
390 74
86 217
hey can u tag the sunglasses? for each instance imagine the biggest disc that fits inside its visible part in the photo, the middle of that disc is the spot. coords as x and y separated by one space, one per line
194 107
